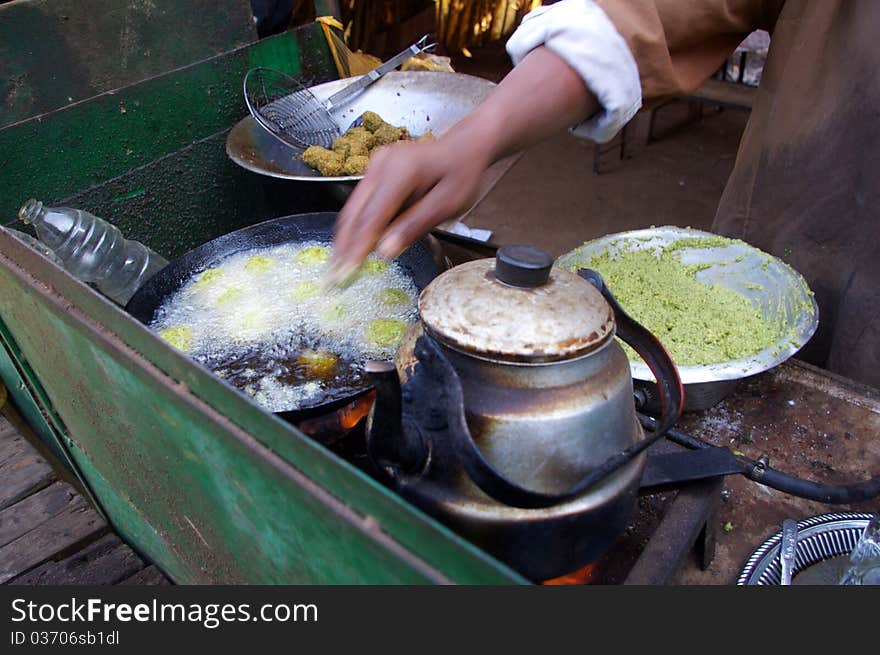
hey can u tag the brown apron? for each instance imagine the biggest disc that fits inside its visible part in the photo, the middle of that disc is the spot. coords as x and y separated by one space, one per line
806 184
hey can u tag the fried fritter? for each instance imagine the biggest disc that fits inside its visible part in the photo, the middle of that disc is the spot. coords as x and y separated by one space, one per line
348 146
351 151
360 133
259 264
180 337
391 296
372 121
328 162
207 277
385 332
389 134
356 164
312 255
318 364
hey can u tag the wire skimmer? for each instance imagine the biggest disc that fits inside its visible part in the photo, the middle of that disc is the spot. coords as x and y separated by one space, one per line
292 113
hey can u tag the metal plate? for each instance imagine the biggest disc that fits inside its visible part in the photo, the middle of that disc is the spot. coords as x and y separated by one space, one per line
769 283
417 100
821 539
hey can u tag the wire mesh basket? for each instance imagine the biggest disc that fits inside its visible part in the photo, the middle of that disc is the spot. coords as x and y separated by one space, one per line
288 109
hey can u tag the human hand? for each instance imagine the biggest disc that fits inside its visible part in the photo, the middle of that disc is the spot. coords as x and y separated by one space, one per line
407 189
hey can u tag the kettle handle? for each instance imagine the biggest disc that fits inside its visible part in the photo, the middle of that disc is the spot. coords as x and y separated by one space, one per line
649 349
503 490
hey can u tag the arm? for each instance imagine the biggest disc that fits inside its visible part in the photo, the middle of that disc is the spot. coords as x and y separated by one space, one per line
575 60
419 185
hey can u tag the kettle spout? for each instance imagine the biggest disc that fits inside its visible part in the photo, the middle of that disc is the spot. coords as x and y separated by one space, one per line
395 450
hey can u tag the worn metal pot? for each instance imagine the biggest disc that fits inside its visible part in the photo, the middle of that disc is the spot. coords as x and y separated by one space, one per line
513 397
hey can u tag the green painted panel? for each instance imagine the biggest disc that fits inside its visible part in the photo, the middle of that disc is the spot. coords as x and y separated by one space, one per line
66 152
225 516
56 52
21 395
231 496
194 195
33 404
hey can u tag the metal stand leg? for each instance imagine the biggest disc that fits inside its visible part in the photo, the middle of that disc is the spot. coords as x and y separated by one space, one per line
708 536
689 522
598 151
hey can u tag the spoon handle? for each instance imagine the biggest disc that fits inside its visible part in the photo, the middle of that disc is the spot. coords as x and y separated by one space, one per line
787 550
365 80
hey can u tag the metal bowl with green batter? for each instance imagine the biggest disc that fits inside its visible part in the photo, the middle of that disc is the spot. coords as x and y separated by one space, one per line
779 294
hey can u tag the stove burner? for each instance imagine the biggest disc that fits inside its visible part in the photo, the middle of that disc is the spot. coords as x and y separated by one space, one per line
688 525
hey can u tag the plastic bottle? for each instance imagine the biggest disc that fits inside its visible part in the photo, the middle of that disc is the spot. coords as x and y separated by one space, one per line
93 249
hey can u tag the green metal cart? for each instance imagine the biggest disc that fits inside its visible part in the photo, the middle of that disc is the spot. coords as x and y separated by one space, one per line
125 113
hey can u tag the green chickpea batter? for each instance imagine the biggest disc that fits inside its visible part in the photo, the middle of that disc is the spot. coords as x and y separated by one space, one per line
698 323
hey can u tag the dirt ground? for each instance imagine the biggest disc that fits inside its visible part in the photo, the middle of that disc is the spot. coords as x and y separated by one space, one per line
553 199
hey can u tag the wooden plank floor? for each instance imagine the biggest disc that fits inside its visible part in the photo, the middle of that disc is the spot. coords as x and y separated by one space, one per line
49 533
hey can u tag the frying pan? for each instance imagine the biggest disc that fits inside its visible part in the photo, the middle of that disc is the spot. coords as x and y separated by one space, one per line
418 262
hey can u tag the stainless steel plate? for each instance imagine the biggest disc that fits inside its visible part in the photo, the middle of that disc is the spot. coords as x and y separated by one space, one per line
821 543
417 100
777 290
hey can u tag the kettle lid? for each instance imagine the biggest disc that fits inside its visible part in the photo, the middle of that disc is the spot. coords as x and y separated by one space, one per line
516 307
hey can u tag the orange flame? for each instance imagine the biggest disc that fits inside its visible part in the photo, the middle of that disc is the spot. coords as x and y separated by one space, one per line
583 575
341 421
351 415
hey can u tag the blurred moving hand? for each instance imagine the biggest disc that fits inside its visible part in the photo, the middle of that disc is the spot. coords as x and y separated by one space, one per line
409 187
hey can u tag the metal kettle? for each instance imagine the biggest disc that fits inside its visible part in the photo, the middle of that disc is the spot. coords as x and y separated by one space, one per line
508 413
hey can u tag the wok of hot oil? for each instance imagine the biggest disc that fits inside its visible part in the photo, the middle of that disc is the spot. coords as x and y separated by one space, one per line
260 320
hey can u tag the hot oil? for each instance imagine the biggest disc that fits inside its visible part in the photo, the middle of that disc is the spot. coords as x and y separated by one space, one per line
277 380
251 317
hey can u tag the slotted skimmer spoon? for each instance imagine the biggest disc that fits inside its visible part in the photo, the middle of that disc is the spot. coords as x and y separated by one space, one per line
292 113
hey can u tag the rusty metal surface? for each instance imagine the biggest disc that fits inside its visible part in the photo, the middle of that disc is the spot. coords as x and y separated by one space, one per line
569 416
811 424
689 522
474 491
22 393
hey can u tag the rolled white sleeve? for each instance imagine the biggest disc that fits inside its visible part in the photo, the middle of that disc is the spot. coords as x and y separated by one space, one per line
586 39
